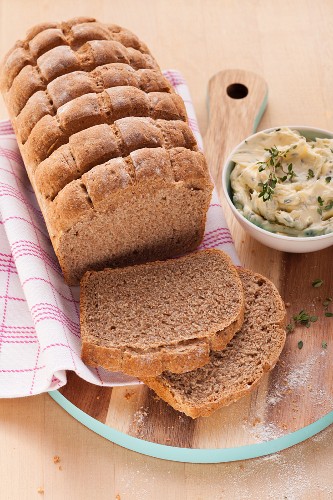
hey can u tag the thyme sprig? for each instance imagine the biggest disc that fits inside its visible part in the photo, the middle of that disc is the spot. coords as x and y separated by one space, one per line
302 318
272 164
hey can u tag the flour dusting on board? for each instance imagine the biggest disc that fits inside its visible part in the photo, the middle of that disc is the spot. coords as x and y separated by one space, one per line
138 425
288 388
299 375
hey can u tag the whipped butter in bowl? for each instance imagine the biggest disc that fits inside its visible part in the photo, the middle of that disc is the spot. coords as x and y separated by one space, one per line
279 185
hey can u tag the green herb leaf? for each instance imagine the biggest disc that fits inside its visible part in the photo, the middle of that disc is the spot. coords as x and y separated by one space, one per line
290 327
329 206
300 344
324 344
303 318
317 283
329 315
320 201
327 302
328 179
310 174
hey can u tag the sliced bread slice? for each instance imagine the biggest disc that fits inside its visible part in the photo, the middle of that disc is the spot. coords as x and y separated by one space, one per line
235 371
159 316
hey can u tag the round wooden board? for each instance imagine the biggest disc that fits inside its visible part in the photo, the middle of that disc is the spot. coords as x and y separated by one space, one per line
294 401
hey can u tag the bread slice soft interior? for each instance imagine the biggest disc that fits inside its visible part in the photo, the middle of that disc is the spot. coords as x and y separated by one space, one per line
165 315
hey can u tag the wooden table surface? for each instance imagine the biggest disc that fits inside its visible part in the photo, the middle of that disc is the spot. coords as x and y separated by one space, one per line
290 43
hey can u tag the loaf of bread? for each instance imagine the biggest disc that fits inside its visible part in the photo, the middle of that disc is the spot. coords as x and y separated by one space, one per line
106 144
235 371
168 315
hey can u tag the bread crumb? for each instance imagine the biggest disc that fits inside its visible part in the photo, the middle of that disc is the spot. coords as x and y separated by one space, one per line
128 395
60 468
256 421
118 497
56 459
287 304
97 397
40 491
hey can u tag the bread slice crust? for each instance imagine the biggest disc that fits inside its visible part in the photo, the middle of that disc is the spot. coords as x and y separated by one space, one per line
189 347
189 393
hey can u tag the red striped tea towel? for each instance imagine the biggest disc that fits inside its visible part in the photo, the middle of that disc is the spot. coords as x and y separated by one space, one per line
39 313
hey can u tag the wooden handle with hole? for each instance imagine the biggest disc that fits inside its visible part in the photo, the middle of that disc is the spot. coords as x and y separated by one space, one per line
237 100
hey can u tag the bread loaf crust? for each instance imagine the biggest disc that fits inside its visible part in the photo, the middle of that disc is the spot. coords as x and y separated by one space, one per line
86 96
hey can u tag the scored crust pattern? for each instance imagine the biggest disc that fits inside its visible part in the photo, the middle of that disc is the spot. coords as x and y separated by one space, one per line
65 83
83 95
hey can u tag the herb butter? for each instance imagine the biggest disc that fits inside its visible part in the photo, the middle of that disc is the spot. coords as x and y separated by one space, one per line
284 183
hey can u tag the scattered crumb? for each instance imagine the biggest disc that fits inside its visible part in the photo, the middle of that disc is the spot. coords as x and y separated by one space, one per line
287 304
97 397
118 497
256 421
60 468
40 491
128 395
56 459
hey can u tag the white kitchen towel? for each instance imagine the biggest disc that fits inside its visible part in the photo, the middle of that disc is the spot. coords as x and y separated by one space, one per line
39 313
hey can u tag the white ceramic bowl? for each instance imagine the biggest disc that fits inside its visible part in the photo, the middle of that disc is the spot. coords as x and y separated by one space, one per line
279 242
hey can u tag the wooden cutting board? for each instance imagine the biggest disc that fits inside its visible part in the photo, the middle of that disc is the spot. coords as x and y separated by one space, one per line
295 400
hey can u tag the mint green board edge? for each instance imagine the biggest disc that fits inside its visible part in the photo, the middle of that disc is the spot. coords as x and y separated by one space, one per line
192 455
195 455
